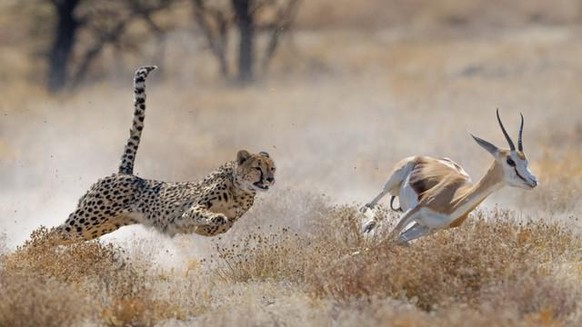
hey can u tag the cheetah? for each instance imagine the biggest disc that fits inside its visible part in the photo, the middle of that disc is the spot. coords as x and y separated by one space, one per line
208 207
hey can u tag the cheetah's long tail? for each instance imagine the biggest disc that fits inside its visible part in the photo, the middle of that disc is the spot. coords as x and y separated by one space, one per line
130 150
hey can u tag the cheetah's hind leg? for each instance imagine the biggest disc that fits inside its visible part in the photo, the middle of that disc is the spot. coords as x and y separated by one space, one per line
79 228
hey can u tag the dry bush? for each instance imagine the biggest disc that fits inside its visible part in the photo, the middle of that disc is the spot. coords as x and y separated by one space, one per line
30 297
41 256
493 270
94 280
284 254
388 312
493 263
260 256
27 299
534 297
130 298
269 245
140 311
457 266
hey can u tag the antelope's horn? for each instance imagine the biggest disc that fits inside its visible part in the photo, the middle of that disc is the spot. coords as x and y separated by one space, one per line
519 143
509 141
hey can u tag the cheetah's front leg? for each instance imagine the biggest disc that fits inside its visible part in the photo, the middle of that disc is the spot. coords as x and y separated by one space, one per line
197 216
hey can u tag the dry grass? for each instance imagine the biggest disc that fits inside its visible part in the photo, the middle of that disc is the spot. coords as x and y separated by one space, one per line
260 256
453 267
525 272
31 300
92 282
492 264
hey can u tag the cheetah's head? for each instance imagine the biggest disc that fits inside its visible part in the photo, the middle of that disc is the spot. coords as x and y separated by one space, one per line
255 171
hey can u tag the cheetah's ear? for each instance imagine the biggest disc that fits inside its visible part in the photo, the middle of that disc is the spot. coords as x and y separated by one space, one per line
264 154
242 156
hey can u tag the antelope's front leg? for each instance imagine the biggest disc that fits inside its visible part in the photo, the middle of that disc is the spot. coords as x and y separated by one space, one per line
369 226
370 205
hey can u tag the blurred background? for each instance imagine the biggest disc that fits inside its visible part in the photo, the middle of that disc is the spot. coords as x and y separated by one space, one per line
336 91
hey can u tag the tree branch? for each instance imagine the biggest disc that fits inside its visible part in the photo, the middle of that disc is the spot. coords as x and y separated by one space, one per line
216 43
285 18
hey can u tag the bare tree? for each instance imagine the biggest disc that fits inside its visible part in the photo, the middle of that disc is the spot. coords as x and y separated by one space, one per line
64 40
215 18
85 28
246 28
214 22
106 22
282 23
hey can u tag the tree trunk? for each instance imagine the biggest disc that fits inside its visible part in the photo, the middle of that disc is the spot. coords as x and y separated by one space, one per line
62 44
245 25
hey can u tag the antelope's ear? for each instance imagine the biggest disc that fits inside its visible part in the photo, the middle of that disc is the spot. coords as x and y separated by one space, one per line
242 156
486 145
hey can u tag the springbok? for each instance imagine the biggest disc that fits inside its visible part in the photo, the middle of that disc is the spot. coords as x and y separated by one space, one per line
437 194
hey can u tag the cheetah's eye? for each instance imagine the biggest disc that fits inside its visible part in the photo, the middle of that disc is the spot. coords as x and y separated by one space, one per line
510 162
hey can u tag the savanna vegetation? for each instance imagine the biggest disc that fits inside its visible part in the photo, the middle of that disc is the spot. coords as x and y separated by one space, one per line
355 87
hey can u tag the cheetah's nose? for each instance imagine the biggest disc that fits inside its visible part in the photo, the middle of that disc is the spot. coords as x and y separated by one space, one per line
270 179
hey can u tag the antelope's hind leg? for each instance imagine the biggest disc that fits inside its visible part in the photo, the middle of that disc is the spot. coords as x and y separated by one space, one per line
414 232
411 215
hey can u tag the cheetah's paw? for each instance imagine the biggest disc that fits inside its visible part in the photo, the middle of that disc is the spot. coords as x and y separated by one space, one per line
218 220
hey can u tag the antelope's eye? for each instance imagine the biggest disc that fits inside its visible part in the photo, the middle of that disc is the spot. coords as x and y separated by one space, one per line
510 162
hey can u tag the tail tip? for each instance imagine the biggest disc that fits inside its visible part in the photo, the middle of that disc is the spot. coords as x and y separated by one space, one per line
145 69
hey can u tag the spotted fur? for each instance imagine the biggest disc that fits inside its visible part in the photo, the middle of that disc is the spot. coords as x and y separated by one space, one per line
208 207
128 157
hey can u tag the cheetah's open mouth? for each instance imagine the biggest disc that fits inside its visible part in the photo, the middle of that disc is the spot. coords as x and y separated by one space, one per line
261 186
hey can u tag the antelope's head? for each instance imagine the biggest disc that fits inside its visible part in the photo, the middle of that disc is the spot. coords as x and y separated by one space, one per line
513 162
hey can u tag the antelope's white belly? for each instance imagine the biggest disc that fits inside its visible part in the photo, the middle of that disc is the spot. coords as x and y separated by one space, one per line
434 220
407 197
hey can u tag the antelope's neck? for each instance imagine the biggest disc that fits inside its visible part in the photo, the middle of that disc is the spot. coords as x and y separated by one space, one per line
473 195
